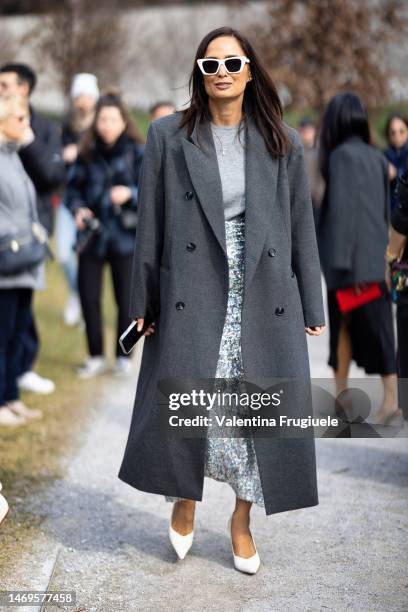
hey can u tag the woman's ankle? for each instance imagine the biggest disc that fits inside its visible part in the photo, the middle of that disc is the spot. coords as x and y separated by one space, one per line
183 516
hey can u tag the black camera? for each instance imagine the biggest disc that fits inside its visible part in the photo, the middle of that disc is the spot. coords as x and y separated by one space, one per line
92 228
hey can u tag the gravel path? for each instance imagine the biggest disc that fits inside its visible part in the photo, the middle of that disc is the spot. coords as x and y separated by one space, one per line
108 541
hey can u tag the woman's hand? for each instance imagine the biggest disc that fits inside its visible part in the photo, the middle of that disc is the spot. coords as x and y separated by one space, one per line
149 330
359 287
28 136
392 171
80 214
70 153
120 194
315 330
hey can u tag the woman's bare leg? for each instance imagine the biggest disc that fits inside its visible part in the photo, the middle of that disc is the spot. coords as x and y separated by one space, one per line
390 398
344 356
182 518
240 532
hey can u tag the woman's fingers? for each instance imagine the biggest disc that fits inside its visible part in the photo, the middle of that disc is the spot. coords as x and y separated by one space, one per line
150 330
80 215
140 324
315 331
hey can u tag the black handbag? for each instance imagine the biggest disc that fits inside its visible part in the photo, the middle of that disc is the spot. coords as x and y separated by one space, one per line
23 250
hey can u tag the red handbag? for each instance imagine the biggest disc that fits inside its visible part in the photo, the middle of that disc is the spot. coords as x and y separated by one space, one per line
348 299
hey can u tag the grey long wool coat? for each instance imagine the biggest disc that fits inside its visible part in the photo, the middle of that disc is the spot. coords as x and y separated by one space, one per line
186 287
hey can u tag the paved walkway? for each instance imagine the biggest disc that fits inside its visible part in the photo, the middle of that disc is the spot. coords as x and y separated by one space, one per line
108 541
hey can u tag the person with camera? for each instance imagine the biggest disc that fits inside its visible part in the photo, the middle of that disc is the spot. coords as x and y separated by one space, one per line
101 192
84 94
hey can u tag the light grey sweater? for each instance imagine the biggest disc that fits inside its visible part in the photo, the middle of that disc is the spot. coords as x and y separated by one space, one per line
17 194
231 162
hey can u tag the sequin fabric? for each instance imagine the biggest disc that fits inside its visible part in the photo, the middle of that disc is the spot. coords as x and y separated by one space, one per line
232 459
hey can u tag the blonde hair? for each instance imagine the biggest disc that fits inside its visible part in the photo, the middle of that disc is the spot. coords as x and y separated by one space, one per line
8 105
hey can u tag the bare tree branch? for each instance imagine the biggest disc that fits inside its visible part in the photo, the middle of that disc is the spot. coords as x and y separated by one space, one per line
316 48
81 36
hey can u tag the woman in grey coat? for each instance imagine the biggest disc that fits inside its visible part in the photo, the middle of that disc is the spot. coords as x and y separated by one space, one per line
226 265
17 205
353 234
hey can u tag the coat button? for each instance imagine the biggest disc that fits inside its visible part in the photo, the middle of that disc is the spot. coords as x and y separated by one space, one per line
188 195
272 252
279 310
180 305
190 246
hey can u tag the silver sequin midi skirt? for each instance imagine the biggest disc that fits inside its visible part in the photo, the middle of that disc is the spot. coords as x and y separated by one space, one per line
232 459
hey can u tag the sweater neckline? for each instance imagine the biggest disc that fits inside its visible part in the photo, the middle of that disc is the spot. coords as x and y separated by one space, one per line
225 127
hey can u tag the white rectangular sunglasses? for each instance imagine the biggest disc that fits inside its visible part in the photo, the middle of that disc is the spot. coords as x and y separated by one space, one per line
232 65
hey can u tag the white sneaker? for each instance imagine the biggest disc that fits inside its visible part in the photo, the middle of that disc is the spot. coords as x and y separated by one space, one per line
4 507
21 409
92 367
72 310
31 381
123 366
9 419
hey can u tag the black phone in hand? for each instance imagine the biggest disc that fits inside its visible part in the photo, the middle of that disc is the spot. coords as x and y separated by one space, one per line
131 335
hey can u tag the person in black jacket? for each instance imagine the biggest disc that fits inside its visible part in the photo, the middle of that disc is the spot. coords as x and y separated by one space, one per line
352 237
101 192
397 267
41 154
83 97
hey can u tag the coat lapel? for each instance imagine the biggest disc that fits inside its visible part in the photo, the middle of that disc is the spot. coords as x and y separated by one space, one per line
260 176
260 208
202 164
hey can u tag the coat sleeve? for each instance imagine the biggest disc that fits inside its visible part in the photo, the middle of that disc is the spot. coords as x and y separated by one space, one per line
305 256
137 161
74 190
145 287
43 159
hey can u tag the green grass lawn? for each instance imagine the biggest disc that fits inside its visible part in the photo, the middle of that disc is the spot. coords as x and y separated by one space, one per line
26 449
31 455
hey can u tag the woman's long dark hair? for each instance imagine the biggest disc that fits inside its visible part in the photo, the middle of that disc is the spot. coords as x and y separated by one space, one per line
261 99
111 98
344 116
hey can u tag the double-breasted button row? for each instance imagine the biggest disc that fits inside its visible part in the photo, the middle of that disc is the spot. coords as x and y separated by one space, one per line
188 195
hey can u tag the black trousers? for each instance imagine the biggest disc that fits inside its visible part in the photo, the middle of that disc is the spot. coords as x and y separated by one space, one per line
15 318
30 345
402 357
90 277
